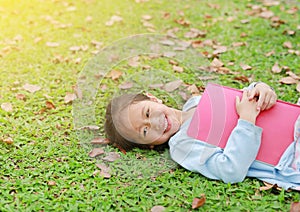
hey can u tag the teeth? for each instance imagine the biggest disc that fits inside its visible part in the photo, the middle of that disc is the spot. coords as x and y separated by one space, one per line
166 124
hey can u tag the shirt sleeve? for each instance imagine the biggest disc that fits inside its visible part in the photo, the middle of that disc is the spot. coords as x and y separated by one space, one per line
230 164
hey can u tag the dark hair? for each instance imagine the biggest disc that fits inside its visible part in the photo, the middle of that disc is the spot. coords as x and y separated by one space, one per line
115 106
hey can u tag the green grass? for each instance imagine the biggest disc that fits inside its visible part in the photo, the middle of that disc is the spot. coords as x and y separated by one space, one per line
45 145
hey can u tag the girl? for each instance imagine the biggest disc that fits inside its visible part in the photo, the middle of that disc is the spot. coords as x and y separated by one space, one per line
143 121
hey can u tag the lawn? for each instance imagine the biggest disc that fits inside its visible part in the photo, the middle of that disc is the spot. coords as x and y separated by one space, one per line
50 49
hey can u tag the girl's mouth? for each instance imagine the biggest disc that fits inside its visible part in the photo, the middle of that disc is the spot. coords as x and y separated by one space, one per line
167 125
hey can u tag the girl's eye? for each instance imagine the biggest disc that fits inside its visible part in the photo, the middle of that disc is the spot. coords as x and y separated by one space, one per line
145 131
148 113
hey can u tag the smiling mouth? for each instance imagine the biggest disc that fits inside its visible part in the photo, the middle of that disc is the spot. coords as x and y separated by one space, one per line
167 125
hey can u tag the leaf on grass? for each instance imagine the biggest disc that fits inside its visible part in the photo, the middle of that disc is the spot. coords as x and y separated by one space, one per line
169 54
177 69
245 67
288 80
183 22
293 75
6 106
198 202
147 17
70 97
31 88
50 105
155 86
288 45
134 62
114 74
219 50
173 62
268 54
242 79
111 157
158 208
89 19
20 96
276 68
114 19
295 207
126 85
89 127
216 63
105 170
193 89
51 183
8 140
52 44
100 141
266 14
167 42
171 86
95 152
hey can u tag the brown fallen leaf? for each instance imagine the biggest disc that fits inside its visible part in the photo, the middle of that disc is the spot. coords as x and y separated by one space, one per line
50 105
51 183
198 202
20 96
31 88
114 74
193 89
100 141
105 170
177 69
276 68
171 86
295 207
70 97
158 208
242 79
114 19
8 140
245 67
266 14
111 157
219 50
126 85
95 152
268 54
183 22
288 80
216 63
6 106
293 75
52 44
288 45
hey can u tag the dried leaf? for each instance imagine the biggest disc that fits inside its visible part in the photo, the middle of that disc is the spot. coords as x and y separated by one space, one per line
70 97
169 54
31 88
52 44
193 89
219 50
113 20
95 152
242 79
6 106
288 45
198 202
111 157
126 85
295 207
50 105
173 62
134 62
270 53
245 67
216 63
89 127
266 14
51 183
21 96
147 17
183 22
8 140
158 208
276 68
288 80
100 141
171 86
177 69
114 74
167 42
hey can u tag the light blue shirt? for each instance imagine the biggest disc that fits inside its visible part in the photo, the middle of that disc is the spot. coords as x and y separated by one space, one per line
237 160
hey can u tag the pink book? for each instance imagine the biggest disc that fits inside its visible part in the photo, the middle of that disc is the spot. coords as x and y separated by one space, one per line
215 118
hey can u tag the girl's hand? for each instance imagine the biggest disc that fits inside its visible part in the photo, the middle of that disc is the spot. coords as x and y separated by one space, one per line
247 109
265 94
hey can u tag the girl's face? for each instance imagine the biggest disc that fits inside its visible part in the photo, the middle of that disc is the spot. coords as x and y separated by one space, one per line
149 122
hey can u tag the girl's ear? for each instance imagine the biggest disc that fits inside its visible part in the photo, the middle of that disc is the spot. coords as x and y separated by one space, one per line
153 98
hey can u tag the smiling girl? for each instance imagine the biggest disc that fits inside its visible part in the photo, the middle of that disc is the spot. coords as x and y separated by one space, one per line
137 120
